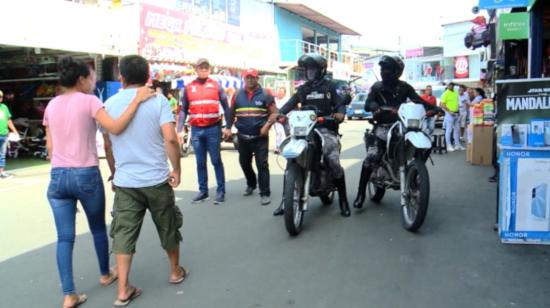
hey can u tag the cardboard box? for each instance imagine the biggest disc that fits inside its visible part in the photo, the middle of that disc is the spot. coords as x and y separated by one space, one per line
469 153
482 146
524 211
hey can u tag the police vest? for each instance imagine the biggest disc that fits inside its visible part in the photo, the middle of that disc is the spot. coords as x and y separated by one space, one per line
251 113
318 96
204 103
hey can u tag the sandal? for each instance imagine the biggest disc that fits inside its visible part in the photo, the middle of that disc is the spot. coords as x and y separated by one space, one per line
80 299
125 302
184 274
113 276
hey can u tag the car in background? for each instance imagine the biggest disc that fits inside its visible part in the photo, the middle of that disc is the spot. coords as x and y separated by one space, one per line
356 109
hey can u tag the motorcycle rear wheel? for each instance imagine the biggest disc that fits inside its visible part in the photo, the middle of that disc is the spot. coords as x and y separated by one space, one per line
417 189
293 193
375 193
328 198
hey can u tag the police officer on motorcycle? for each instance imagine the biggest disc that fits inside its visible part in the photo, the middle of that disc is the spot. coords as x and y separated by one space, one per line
390 92
322 95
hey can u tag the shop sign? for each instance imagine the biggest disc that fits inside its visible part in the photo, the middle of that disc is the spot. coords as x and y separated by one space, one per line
514 26
414 53
431 69
499 4
461 67
519 102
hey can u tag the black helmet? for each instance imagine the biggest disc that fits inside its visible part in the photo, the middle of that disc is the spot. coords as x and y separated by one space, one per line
313 60
394 64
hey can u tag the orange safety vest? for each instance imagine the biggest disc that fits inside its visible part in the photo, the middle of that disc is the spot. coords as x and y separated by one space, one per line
204 103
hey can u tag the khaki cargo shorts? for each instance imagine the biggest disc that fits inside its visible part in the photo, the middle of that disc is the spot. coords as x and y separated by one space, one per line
129 209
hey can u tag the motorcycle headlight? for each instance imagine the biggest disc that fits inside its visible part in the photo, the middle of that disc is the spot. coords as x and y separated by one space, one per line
413 123
300 131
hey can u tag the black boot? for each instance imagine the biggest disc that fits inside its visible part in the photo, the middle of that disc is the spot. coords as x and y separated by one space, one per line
361 190
280 210
342 196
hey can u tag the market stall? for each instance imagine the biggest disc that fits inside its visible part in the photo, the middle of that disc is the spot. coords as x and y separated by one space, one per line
524 142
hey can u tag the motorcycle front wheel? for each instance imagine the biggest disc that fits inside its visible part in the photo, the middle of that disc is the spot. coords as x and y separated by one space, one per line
417 190
293 193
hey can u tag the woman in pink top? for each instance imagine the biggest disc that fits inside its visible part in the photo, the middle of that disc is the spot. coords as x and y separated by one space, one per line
70 121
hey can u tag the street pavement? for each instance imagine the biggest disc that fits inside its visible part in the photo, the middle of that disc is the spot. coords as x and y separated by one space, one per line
240 256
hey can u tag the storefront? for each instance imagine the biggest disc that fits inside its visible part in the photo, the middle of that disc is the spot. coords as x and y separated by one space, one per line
460 64
29 56
523 120
424 66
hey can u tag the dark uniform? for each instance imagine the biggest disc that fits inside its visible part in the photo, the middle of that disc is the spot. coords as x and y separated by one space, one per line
323 95
390 92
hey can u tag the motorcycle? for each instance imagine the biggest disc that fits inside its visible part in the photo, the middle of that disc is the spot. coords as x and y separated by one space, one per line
186 146
305 168
403 165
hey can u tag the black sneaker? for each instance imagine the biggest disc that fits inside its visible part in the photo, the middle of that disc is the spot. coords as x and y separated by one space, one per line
248 192
200 197
220 198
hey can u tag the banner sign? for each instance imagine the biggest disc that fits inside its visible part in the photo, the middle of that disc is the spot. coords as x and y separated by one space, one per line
520 101
171 35
500 4
514 26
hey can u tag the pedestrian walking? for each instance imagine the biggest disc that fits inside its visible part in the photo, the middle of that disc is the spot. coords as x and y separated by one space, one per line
142 178
450 104
70 121
201 103
6 125
254 111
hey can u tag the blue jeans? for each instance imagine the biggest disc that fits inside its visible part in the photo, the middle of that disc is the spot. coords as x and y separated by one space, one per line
67 186
3 149
207 140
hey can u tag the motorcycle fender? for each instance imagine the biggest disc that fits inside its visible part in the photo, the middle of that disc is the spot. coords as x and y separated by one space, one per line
419 140
294 148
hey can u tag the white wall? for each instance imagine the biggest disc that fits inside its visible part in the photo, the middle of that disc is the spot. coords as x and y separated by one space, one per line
69 26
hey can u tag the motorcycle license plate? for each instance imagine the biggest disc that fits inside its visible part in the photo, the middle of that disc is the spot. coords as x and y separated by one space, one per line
300 131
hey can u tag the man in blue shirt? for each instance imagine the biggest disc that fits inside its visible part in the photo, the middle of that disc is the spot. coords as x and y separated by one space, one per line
141 176
255 112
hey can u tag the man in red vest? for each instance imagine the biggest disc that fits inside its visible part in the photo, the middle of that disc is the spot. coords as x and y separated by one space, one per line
201 103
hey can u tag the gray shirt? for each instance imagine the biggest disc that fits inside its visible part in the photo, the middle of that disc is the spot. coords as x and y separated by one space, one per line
139 152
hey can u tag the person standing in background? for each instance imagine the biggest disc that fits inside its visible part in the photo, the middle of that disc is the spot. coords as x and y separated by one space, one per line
430 99
6 125
464 104
280 131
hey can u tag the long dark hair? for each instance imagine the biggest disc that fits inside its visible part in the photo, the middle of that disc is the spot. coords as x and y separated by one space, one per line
70 70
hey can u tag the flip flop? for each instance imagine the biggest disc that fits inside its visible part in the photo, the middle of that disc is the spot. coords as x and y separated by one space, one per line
185 273
82 298
125 302
113 276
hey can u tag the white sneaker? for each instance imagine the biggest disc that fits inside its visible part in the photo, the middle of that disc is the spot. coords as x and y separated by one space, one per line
4 175
459 148
450 148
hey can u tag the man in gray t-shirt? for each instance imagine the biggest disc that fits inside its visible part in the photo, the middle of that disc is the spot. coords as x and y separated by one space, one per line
142 179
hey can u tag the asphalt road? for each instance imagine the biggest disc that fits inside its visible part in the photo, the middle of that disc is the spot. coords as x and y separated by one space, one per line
240 255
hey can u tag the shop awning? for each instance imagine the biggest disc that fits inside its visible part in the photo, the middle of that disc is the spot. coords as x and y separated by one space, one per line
313 15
